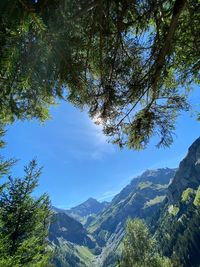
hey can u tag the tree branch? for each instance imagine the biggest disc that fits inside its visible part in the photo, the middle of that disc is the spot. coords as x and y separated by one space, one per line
86 9
159 63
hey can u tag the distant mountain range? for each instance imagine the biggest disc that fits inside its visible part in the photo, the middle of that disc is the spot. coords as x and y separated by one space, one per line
165 198
87 208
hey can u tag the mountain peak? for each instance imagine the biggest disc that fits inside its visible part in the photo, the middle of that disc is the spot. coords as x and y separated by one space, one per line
87 204
90 206
91 200
156 172
195 144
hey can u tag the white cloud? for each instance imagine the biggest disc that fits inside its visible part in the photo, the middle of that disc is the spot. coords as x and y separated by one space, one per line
96 143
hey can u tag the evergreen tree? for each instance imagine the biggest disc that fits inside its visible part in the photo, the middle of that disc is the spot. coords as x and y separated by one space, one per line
131 63
140 249
5 165
24 222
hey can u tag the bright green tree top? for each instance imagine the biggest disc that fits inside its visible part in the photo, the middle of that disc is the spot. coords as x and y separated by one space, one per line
140 249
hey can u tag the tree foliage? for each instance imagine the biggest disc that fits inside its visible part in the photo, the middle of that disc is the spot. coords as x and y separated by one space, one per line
5 165
24 222
140 249
129 62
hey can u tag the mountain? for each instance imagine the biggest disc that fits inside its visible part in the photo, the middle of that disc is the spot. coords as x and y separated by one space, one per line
178 223
105 227
167 199
72 244
140 198
158 176
88 208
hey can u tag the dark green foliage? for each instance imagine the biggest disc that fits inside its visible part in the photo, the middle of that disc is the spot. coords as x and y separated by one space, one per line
26 83
5 165
24 222
130 62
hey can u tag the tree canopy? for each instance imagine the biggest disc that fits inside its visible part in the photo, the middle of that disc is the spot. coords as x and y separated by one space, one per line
130 63
140 249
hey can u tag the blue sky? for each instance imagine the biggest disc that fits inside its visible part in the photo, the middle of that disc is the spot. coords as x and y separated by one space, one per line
79 163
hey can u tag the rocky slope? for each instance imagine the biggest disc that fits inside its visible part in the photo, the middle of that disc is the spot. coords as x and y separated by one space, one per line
188 174
90 206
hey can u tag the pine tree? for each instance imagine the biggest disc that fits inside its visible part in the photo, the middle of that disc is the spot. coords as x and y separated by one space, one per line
24 222
5 165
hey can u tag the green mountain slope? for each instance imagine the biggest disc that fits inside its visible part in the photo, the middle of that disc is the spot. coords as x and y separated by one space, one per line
140 198
70 241
67 228
67 254
178 225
